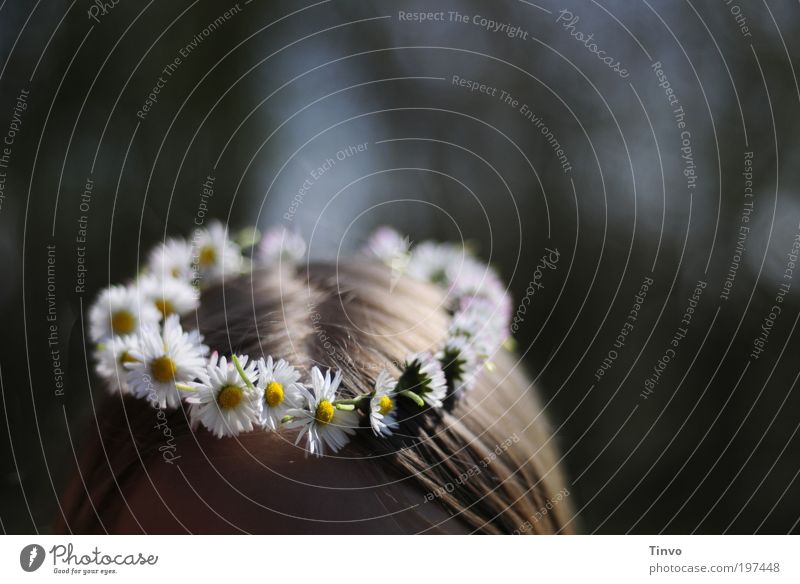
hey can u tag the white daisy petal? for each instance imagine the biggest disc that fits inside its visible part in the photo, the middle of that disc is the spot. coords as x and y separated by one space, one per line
387 245
171 259
382 409
423 375
214 255
473 279
485 307
119 311
168 295
460 363
478 320
279 390
320 422
279 245
432 262
111 358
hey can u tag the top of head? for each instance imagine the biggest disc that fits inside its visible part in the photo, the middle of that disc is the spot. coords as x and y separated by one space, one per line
330 350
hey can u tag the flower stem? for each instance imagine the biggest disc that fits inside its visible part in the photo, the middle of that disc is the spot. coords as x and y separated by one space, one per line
353 401
242 374
184 387
413 397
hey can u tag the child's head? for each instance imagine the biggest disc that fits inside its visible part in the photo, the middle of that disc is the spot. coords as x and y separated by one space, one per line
485 463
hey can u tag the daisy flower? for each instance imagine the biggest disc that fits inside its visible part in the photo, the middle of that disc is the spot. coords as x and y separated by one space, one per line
478 320
168 295
214 254
224 402
163 358
171 259
279 245
453 266
118 312
433 262
459 363
390 248
320 421
111 358
279 390
382 409
387 245
423 375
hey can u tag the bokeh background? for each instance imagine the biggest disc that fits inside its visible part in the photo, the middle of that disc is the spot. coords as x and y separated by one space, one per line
263 97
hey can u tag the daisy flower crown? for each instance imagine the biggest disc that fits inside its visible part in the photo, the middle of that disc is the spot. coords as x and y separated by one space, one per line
142 349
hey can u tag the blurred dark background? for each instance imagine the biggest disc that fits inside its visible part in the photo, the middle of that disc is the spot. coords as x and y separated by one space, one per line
581 158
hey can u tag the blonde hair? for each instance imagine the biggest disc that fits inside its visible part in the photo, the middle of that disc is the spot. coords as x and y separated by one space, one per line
489 459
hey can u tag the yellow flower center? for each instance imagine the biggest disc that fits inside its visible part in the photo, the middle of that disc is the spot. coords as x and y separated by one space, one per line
175 272
230 396
385 404
164 307
125 357
208 256
122 322
273 393
324 413
163 369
